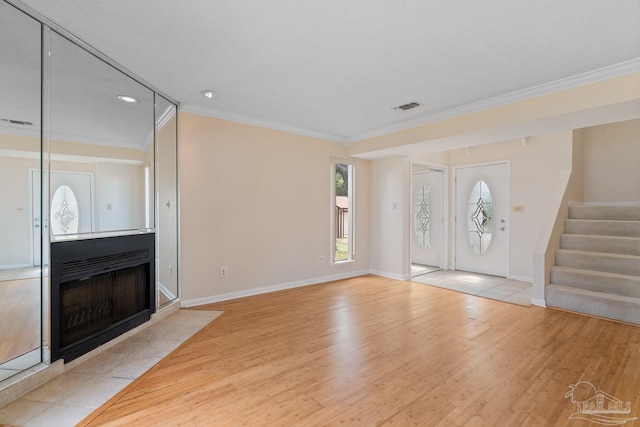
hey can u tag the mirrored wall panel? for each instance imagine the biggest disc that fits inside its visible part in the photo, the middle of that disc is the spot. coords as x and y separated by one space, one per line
20 216
101 143
167 197
86 152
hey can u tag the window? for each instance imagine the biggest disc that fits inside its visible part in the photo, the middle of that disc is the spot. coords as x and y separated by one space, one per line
342 196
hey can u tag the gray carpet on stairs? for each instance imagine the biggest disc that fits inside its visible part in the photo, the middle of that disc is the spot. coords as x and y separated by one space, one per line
597 267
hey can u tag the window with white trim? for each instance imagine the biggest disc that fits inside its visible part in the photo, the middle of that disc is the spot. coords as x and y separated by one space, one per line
342 210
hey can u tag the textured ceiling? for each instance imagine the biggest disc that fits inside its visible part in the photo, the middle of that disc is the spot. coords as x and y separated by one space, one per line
336 68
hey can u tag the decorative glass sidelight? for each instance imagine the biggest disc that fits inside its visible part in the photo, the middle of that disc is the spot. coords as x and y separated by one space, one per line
480 217
422 220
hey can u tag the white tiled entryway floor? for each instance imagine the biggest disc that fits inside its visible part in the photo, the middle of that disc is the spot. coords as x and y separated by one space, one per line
69 398
497 288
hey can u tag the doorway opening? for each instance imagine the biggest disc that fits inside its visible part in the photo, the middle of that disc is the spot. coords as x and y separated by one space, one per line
427 219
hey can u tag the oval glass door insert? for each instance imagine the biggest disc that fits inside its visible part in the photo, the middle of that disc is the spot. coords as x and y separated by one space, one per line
480 218
64 212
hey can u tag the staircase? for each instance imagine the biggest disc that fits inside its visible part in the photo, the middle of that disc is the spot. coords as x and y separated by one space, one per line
597 267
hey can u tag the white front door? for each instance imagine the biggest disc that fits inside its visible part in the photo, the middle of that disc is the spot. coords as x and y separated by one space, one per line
482 219
427 218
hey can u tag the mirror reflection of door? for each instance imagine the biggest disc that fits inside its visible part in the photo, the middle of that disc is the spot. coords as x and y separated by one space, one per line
70 212
427 232
482 215
39 222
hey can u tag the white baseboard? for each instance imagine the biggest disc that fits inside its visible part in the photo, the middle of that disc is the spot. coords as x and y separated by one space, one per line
390 275
538 302
520 278
166 291
267 289
12 266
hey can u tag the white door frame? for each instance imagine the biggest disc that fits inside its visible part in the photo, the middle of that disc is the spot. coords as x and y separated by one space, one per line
507 213
445 214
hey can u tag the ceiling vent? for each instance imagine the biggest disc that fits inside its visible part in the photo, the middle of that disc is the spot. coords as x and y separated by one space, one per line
408 106
17 122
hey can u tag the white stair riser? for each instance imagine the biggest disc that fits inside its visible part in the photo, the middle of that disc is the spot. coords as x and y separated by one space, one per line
608 244
596 281
610 263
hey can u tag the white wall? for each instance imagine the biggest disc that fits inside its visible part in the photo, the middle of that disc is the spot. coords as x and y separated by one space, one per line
258 202
390 217
120 196
534 168
15 216
612 162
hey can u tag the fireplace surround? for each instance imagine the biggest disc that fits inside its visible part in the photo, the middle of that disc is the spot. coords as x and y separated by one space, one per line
100 289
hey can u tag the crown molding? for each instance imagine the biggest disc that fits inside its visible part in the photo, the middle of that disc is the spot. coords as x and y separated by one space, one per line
248 120
594 76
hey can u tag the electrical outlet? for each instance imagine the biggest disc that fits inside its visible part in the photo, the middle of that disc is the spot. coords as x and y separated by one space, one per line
223 271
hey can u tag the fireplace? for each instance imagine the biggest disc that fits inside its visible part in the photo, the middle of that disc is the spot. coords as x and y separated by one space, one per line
100 289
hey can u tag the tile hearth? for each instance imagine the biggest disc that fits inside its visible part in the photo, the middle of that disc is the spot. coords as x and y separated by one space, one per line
73 395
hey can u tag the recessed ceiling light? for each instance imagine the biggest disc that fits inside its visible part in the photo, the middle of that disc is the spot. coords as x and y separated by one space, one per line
126 98
209 94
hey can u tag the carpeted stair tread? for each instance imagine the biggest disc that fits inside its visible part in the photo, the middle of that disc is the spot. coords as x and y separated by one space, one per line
603 212
602 227
603 304
597 281
596 243
599 261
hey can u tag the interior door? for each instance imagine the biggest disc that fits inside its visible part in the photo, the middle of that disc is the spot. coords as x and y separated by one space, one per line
427 218
482 219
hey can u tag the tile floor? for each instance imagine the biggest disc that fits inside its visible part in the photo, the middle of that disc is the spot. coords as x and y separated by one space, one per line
70 397
498 288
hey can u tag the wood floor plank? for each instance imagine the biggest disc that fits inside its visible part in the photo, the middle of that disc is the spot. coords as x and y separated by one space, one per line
376 351
19 317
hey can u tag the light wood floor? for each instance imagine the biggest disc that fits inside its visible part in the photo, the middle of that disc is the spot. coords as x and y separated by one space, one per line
375 351
19 317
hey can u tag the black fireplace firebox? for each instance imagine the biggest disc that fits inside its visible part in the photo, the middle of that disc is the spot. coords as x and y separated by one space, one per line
100 289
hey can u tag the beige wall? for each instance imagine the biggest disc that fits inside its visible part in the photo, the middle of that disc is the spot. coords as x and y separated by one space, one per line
612 162
258 202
